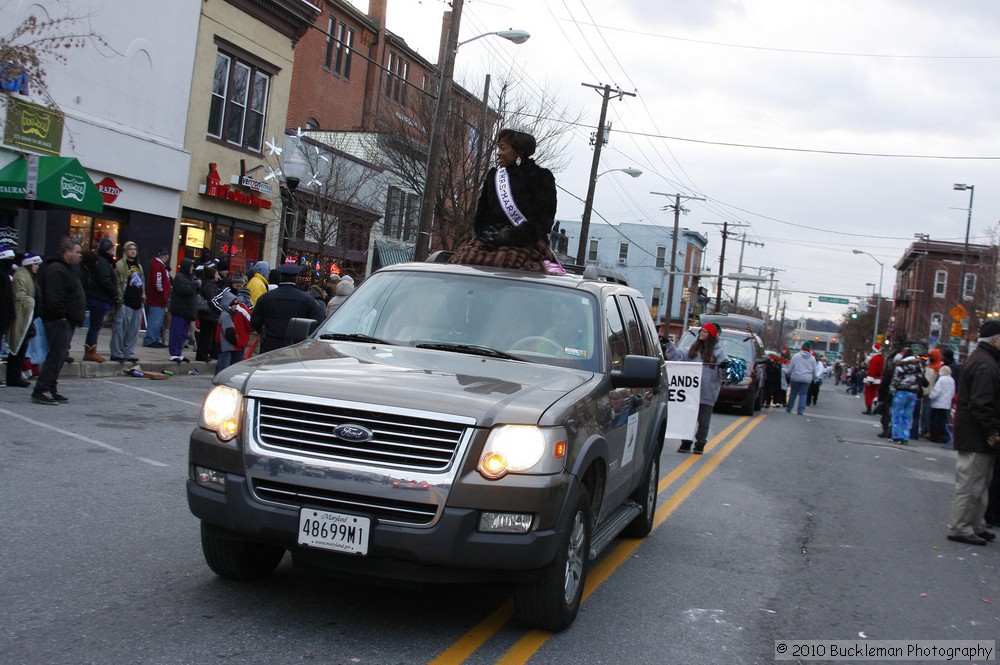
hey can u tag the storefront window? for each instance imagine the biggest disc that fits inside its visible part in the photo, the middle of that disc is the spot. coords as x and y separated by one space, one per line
90 230
224 238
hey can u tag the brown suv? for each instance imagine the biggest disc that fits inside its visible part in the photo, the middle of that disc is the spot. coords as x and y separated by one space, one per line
447 423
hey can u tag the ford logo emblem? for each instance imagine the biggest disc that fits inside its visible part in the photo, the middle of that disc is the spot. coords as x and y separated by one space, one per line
353 433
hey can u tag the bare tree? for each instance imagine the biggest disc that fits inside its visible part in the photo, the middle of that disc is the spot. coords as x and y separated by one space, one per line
334 203
467 147
33 45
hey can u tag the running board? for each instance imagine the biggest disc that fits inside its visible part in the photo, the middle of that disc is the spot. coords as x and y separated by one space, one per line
619 519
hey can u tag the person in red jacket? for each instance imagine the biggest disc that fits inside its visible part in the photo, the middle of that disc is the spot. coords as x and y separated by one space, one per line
157 297
876 363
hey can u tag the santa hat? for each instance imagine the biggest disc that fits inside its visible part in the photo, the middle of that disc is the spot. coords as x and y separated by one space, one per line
6 252
31 259
712 329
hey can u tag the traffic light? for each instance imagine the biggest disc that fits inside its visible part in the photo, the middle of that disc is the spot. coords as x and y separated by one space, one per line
854 313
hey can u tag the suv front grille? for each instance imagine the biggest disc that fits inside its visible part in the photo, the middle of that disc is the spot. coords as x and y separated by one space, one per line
400 441
385 510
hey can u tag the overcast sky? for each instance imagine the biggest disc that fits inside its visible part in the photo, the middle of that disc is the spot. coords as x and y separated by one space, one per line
822 126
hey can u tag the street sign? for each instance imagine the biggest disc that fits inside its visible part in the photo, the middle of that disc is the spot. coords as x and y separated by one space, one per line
956 329
958 312
839 301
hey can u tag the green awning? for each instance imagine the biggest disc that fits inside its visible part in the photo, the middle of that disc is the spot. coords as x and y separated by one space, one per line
61 180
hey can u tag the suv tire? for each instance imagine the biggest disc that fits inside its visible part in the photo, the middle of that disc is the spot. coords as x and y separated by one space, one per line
551 601
238 560
645 496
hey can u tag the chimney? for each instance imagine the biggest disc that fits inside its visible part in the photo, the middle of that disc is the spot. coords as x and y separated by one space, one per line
377 11
445 28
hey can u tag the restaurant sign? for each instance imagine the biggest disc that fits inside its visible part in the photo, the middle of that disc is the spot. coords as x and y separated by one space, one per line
33 127
213 187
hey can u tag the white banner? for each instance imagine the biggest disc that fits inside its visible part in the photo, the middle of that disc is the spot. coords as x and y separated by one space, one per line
683 399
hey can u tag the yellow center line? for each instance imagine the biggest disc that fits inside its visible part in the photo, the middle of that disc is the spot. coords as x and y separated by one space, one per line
532 640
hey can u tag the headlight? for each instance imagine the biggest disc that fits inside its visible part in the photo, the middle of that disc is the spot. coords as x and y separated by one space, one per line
221 412
523 449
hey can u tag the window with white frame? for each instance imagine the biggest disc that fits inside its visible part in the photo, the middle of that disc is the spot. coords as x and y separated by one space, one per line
238 109
656 297
969 292
401 214
661 256
940 283
623 253
339 46
592 250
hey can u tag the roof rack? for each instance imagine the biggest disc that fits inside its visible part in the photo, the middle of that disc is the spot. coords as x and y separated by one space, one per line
596 273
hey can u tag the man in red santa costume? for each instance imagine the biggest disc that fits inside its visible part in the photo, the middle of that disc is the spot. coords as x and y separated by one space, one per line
876 363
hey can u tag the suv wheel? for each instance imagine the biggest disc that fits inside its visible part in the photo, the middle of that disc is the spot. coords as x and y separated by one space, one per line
551 601
238 560
645 496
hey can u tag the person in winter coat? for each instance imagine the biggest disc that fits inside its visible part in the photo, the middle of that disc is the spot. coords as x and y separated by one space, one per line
234 329
801 374
128 305
24 289
345 287
873 378
922 414
102 291
63 306
6 292
257 286
276 308
977 437
940 400
885 396
183 309
707 351
515 212
907 384
208 315
157 298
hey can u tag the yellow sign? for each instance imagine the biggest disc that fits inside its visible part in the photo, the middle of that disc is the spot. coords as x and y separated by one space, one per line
958 312
956 329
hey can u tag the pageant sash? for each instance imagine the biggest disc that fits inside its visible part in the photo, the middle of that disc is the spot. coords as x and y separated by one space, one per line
507 198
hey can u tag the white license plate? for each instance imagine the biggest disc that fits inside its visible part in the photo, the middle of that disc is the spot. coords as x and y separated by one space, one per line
334 531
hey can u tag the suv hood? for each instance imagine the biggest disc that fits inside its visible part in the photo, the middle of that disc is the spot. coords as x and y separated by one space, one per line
485 389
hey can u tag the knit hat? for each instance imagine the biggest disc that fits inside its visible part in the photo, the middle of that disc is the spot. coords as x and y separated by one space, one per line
31 259
989 328
164 251
806 345
236 277
6 252
712 329
106 244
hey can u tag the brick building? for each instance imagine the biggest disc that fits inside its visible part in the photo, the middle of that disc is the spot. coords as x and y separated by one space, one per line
929 297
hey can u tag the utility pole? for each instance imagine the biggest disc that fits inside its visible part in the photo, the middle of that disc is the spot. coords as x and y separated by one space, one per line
673 251
600 138
722 262
743 243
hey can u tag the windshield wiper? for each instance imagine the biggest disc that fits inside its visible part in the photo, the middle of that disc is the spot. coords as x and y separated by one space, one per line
352 337
471 349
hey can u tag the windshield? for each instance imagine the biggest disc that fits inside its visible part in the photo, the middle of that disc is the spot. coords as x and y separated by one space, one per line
468 313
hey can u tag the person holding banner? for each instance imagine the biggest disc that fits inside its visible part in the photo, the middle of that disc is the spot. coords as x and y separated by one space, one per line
515 212
713 359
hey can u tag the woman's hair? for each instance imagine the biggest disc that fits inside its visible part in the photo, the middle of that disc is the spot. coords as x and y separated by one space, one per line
209 273
705 349
523 143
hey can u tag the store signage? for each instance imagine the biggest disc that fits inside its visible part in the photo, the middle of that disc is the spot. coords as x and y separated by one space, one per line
109 190
213 187
33 127
250 183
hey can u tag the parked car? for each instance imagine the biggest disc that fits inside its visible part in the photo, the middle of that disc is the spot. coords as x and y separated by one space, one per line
471 424
740 339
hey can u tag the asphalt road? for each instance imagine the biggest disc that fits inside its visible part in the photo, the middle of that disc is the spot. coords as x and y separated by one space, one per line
787 528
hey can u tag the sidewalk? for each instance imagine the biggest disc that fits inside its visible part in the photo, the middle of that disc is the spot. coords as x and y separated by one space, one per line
156 360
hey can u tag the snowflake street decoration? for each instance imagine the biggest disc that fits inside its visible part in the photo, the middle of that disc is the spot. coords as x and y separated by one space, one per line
271 174
272 147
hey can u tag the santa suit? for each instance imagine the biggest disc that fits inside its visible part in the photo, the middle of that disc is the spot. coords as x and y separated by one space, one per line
876 363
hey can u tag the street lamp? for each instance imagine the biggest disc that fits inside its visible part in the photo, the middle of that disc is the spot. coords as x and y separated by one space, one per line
293 168
965 248
878 302
588 206
426 219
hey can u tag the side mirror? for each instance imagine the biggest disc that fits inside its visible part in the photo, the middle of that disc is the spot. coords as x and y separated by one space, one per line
300 329
638 372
